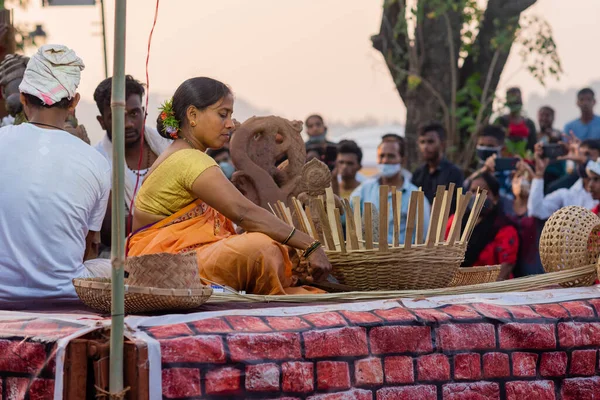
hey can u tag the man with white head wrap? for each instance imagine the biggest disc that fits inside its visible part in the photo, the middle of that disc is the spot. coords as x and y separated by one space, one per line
55 188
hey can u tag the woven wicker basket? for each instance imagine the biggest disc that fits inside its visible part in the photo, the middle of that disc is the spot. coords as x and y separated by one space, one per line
96 294
164 270
364 261
475 275
414 268
571 239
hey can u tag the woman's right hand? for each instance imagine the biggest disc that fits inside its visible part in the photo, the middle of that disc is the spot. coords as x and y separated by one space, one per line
319 266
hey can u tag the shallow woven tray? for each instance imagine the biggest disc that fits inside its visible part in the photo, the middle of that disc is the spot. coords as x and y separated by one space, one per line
571 239
164 270
414 268
475 275
96 294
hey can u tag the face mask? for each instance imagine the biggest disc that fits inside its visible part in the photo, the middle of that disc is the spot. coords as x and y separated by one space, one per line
318 139
228 169
389 170
485 152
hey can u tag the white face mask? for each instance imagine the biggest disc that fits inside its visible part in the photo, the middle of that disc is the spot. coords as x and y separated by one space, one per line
389 170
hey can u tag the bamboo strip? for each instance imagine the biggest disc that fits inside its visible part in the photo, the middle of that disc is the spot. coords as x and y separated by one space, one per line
300 217
478 212
383 217
399 208
358 220
448 197
420 216
351 226
330 202
458 217
530 283
436 210
276 211
471 221
288 214
410 220
340 231
324 221
272 210
316 234
396 217
369 226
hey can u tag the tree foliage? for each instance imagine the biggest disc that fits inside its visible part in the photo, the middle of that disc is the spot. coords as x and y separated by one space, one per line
446 58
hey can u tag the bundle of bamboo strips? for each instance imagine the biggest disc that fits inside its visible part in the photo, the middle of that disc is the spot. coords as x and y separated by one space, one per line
529 283
420 262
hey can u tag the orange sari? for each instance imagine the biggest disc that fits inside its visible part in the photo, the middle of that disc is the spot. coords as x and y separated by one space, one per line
252 261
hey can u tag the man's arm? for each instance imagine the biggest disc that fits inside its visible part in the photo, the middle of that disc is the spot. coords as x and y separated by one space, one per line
542 207
92 245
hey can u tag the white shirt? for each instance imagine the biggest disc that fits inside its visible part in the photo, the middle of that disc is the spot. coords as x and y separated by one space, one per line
55 190
543 207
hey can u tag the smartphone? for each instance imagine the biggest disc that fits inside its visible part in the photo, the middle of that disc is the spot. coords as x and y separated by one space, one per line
506 164
554 150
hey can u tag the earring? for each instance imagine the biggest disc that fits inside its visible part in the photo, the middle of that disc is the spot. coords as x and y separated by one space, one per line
193 123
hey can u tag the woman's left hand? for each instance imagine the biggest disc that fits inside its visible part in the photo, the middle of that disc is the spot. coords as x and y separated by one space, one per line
319 266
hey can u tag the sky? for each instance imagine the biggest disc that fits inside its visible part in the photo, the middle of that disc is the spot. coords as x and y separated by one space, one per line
292 57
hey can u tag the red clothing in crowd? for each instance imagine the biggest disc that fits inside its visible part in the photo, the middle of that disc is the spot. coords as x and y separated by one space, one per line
502 250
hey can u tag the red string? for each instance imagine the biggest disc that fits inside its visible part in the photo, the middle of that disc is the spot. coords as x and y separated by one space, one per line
143 134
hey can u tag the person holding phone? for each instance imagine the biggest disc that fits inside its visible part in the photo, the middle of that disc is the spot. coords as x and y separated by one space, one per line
542 207
489 152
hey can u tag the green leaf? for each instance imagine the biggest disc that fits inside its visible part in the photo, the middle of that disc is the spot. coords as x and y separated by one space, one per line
413 82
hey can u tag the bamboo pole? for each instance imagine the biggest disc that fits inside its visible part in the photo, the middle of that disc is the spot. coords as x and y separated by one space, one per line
383 217
118 202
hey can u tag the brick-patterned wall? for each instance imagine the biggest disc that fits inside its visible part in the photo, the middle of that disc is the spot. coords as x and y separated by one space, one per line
27 367
478 351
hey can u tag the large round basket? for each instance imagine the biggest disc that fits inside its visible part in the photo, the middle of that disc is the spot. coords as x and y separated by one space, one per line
475 275
164 270
415 268
96 294
571 239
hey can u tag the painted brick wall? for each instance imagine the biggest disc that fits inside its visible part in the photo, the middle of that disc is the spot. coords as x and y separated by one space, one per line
27 367
476 351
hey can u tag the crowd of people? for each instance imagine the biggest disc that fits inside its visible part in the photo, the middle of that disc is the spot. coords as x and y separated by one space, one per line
55 213
525 185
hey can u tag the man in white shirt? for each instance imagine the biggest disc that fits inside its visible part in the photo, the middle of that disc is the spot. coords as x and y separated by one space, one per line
55 188
543 207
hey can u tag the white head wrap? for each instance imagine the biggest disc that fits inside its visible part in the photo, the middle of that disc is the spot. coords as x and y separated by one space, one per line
52 74
593 166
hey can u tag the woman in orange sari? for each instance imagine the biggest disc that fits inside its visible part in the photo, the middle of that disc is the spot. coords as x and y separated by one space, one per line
186 203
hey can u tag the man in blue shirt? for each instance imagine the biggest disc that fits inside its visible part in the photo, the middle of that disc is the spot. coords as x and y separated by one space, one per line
390 173
588 125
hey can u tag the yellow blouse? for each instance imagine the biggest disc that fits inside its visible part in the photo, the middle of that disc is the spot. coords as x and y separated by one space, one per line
169 187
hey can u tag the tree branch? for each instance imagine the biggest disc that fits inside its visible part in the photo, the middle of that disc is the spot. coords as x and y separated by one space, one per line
484 102
432 90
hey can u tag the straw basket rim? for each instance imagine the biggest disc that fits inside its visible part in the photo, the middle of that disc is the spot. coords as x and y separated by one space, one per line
466 276
96 294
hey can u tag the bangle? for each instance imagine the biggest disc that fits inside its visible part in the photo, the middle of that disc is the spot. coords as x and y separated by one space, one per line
289 236
311 249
